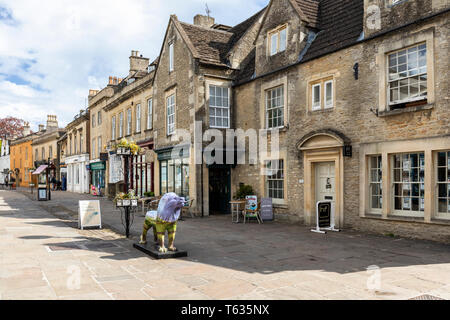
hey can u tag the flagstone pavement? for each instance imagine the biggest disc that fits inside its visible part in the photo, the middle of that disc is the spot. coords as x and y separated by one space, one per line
43 255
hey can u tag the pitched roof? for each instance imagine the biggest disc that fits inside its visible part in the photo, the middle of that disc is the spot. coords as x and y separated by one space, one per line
308 10
210 44
340 24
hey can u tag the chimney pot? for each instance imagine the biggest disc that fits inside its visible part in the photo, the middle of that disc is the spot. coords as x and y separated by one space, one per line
204 21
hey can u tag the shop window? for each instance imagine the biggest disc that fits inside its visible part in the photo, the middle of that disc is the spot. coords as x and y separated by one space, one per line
443 182
175 176
408 180
376 182
219 107
275 179
408 78
275 108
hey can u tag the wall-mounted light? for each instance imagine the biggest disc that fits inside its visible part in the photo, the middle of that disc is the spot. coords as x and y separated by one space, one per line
356 70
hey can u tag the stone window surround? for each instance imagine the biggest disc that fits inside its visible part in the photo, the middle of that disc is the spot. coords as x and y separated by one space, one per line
167 94
269 42
283 81
282 155
390 46
171 50
321 78
430 146
129 122
219 83
138 122
148 126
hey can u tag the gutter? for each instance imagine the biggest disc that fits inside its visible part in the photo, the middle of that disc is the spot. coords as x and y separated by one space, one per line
377 35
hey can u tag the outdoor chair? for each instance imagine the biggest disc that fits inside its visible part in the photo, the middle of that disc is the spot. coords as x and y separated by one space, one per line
187 208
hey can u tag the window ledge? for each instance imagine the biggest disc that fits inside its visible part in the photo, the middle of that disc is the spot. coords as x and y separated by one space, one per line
434 221
280 205
148 130
323 110
405 110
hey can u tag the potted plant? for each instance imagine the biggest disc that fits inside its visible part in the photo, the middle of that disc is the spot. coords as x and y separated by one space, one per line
126 199
127 148
244 191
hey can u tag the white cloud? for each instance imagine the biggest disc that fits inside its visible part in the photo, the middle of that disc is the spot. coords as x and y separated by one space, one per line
56 50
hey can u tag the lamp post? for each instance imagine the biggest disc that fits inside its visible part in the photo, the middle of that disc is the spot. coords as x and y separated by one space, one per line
48 182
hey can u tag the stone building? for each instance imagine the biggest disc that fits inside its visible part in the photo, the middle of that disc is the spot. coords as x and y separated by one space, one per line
45 145
354 92
123 109
362 107
76 155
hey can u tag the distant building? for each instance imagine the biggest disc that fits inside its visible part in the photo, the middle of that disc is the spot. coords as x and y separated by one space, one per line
4 159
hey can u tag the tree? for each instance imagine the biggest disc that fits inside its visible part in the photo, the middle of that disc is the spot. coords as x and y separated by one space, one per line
11 127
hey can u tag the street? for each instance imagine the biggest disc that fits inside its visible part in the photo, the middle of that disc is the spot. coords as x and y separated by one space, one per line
44 256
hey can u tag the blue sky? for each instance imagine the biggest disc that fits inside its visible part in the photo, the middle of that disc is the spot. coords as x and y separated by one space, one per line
53 51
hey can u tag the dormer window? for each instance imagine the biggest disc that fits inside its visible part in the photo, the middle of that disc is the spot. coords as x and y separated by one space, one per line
277 40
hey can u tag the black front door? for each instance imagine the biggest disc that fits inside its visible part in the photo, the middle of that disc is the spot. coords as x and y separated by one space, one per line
219 190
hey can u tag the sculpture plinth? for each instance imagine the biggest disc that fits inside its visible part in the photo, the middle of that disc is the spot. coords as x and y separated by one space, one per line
153 251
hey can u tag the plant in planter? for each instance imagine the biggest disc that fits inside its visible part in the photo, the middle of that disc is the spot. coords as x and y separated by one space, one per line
126 199
149 194
126 148
244 191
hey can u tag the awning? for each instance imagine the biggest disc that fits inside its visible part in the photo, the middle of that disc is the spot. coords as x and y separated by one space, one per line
40 169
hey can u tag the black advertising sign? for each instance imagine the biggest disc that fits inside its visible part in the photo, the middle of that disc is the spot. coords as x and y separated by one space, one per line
324 214
266 209
104 156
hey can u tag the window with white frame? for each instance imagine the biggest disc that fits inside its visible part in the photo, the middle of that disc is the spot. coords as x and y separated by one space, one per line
275 179
322 94
219 107
150 114
93 121
328 94
443 181
275 107
138 118
278 40
121 125
171 114
316 97
99 145
75 146
129 122
171 53
93 149
408 179
99 117
408 79
376 182
81 142
113 128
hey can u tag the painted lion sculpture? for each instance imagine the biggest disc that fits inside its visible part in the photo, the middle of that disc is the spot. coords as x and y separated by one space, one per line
165 219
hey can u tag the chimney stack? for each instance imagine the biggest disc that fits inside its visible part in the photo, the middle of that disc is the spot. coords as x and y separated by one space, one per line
138 62
204 21
52 122
26 129
41 127
92 93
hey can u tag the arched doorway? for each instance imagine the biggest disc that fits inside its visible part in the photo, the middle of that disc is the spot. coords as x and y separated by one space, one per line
323 163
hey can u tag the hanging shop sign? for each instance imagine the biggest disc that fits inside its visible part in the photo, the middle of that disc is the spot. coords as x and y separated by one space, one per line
89 214
98 166
103 156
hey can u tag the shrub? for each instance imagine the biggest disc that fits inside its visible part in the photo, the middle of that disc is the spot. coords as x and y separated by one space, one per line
243 191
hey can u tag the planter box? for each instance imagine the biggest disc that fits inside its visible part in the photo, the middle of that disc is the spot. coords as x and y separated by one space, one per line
123 151
126 203
119 203
134 203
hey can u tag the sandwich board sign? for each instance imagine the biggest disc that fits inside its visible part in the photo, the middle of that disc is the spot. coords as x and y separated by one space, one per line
89 214
266 209
325 217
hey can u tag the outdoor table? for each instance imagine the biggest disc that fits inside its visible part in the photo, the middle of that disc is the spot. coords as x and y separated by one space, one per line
235 209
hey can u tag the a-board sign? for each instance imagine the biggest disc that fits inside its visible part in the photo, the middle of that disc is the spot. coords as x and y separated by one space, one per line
266 209
324 213
89 214
42 194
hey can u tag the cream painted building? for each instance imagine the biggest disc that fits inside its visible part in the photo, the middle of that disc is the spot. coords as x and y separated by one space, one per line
77 157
